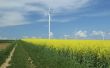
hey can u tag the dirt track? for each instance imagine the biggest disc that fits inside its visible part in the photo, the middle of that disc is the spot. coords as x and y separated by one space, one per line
7 62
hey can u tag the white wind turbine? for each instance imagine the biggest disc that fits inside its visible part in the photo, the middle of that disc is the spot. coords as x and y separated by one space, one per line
103 35
49 22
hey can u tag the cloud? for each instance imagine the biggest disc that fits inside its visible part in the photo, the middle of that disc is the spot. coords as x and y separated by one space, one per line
11 11
66 36
51 34
54 20
81 34
63 4
45 4
109 33
98 33
57 20
12 19
97 14
3 38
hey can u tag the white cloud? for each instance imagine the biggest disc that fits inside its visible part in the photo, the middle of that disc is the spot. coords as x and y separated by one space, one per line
51 34
67 20
81 34
42 20
3 38
14 9
66 36
53 20
108 33
63 4
53 4
98 33
97 14
12 19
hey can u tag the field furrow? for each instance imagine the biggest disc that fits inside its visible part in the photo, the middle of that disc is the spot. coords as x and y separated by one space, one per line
43 53
21 58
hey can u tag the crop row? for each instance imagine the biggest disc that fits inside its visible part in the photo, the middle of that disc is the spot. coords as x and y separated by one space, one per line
68 53
44 57
21 58
48 56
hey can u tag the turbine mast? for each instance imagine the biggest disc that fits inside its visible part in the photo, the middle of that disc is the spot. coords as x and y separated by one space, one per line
49 17
103 36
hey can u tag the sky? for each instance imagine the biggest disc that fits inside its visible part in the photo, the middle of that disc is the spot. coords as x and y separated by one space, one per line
75 19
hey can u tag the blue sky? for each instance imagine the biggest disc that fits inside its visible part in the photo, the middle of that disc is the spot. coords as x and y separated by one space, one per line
81 19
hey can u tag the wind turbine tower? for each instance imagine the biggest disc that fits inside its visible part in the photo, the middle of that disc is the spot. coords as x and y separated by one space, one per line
49 29
103 35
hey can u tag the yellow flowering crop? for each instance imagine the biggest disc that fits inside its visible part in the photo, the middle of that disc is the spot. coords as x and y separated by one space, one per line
99 47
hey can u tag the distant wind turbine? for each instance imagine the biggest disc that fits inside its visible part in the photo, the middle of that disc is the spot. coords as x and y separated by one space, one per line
103 35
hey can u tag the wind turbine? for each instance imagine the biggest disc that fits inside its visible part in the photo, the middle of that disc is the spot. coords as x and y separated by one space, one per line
103 35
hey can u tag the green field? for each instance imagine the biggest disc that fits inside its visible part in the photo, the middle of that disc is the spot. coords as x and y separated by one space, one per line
5 48
43 53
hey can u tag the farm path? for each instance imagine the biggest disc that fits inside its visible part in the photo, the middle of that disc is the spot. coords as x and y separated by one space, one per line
32 65
7 61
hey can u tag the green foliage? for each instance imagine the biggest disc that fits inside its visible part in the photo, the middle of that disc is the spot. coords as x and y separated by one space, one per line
5 53
50 57
44 57
7 41
20 58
